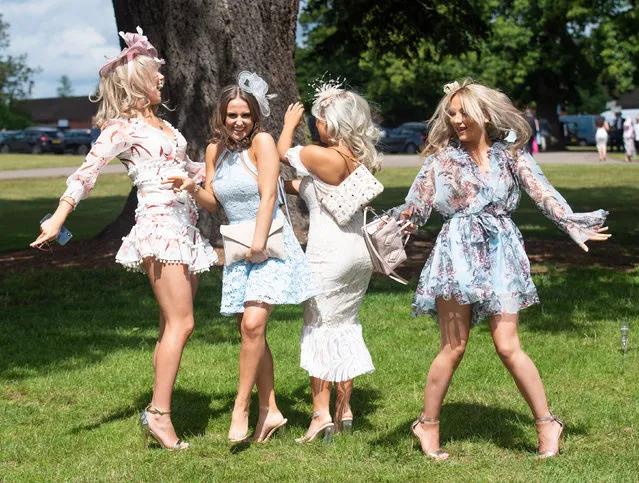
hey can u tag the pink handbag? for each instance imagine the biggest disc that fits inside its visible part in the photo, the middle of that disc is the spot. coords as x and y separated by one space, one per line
386 243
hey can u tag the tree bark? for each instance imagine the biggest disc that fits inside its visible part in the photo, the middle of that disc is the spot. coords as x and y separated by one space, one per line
206 43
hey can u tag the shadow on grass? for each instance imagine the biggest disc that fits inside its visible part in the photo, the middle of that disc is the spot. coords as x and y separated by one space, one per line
461 421
67 319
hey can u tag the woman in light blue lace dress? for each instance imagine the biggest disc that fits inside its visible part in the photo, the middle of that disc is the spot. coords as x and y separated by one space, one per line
478 267
242 168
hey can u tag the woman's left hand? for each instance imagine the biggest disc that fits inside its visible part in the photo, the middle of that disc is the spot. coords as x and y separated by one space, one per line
256 255
293 115
598 236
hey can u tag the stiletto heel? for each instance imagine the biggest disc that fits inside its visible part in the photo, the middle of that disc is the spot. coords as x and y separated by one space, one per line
327 429
438 455
281 426
550 419
347 426
147 431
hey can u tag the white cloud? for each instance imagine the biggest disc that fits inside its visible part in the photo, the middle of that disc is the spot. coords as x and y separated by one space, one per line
62 37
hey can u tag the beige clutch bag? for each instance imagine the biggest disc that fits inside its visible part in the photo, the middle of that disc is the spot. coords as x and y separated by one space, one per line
238 238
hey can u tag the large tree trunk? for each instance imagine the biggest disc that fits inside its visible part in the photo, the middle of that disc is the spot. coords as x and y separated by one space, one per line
205 45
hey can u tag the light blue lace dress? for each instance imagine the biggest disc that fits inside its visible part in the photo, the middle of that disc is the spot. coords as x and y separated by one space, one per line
274 281
479 256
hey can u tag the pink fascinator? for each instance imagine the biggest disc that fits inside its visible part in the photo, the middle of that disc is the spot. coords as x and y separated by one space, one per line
137 44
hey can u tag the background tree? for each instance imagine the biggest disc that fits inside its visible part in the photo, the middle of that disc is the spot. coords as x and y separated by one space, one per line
565 53
65 89
206 44
16 82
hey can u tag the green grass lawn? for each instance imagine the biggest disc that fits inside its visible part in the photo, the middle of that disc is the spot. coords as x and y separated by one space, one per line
76 371
10 162
75 366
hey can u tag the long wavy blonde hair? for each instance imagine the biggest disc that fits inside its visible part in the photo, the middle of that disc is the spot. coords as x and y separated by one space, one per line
481 103
348 120
122 94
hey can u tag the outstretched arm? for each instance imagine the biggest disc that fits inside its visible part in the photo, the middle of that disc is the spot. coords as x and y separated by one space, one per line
580 226
113 141
419 201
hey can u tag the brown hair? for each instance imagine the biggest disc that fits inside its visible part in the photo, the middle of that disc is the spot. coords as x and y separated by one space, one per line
218 127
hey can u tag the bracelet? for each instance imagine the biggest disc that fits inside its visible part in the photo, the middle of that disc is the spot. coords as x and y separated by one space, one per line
67 201
197 188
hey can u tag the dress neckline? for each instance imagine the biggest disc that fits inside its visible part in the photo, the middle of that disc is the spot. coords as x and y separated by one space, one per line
173 141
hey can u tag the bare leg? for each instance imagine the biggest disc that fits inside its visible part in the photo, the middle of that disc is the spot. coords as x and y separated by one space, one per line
343 392
602 153
506 338
173 289
321 392
256 367
454 327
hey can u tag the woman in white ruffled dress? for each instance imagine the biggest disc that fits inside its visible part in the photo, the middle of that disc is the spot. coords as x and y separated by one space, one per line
333 348
164 242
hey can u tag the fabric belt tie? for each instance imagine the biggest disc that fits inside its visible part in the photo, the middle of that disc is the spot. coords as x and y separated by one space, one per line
488 223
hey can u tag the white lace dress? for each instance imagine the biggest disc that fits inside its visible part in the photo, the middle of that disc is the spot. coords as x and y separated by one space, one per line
333 347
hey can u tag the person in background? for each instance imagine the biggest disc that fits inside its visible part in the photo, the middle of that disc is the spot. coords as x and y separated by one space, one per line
601 137
629 139
637 133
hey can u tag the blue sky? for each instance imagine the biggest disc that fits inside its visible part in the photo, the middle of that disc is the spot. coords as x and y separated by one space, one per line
62 37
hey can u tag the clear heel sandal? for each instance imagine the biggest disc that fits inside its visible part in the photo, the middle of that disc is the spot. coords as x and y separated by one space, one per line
148 432
327 429
550 419
439 454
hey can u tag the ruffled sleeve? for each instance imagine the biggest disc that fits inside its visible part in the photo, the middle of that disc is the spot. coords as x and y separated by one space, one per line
580 226
195 170
419 201
113 141
293 157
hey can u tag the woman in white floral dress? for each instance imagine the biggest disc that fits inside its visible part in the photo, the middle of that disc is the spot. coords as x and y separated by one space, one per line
333 349
164 243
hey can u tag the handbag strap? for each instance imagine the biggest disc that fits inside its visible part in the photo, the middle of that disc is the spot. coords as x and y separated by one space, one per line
346 157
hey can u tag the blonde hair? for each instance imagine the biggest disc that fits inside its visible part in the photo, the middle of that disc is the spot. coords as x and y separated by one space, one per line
124 91
348 120
481 103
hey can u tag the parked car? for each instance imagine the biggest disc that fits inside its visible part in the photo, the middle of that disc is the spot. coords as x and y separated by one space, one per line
406 138
78 141
585 134
5 134
34 140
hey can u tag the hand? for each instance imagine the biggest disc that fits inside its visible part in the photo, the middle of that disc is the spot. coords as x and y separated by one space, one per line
598 236
408 226
181 183
256 255
293 116
49 231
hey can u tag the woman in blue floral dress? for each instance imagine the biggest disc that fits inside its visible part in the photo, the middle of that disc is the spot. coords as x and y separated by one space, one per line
478 267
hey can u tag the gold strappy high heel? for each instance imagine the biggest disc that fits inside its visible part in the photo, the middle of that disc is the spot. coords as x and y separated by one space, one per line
549 419
146 430
438 455
328 429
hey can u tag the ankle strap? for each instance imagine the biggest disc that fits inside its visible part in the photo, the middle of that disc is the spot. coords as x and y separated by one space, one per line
552 417
154 410
422 419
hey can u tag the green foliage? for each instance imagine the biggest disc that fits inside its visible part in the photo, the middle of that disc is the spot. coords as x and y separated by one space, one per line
561 52
65 89
16 80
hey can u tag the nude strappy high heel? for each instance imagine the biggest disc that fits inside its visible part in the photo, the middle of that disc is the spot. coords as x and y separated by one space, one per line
550 419
271 431
146 430
438 455
328 429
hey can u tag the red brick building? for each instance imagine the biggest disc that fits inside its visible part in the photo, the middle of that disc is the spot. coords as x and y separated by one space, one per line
78 111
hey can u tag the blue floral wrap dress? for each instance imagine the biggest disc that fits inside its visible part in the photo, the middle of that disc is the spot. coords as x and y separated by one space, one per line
479 255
